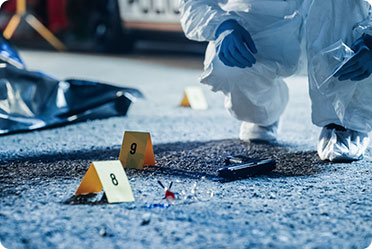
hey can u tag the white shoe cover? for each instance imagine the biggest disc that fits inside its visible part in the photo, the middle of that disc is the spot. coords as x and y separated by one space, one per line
253 132
342 145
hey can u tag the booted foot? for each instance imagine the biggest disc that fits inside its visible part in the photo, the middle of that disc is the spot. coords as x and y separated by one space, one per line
250 132
338 144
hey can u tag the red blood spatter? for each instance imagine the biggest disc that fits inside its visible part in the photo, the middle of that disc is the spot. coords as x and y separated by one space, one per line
169 195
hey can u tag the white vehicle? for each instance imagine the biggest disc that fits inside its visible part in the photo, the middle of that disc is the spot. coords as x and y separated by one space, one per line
115 25
161 15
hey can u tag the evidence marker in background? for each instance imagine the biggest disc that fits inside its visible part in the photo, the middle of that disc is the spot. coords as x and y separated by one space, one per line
193 97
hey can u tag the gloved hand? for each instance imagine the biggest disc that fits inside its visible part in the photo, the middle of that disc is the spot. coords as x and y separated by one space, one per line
360 66
237 47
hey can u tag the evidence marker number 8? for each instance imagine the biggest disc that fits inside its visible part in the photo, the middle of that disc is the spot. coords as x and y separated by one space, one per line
113 179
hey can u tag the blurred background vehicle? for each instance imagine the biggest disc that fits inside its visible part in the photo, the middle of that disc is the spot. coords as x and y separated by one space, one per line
108 26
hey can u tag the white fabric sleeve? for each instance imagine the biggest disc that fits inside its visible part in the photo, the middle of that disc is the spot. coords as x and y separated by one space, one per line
201 18
364 27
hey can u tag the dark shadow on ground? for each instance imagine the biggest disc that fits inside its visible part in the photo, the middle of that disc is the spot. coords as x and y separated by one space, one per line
188 159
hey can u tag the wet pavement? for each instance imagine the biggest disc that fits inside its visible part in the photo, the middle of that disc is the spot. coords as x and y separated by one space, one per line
303 203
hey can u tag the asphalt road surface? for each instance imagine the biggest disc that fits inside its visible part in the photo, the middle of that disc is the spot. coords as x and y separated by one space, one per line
304 203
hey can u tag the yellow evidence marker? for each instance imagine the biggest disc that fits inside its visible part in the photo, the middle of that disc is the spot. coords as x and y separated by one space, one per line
136 150
109 176
193 97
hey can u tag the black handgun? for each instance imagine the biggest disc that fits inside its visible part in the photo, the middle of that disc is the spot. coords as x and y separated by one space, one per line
241 167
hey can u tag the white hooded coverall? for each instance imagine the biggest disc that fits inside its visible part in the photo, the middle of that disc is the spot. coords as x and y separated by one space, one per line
259 94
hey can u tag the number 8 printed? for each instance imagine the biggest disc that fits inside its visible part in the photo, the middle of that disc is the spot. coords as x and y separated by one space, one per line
113 179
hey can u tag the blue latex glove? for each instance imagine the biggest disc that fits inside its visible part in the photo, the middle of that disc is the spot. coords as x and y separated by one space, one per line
237 47
360 66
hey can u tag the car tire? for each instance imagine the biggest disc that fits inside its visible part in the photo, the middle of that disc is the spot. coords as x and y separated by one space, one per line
99 22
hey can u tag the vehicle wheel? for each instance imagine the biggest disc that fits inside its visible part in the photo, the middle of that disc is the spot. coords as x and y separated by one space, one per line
109 33
99 22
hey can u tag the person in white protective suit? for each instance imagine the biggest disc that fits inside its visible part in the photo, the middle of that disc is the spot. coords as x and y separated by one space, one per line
254 44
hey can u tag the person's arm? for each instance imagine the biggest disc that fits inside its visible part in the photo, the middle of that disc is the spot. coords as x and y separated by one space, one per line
237 47
368 41
201 18
204 20
360 66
